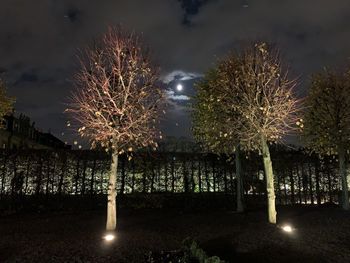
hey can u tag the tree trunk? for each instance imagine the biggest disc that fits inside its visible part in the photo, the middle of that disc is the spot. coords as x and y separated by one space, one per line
231 181
291 176
343 175
144 177
83 187
159 175
112 193
172 175
13 181
305 183
152 178
206 175
53 179
39 176
92 180
239 184
185 176
4 169
311 183
166 175
330 188
77 176
104 167
253 182
284 189
133 176
279 194
123 174
27 175
317 176
193 184
225 179
271 207
48 174
62 174
199 176
214 175
299 184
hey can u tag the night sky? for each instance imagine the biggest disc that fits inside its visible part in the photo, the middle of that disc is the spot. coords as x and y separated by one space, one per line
39 42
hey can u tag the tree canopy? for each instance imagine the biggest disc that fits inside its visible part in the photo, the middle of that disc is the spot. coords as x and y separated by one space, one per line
213 117
116 100
327 115
247 95
264 98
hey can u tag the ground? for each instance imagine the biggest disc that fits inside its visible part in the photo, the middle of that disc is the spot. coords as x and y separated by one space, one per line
321 235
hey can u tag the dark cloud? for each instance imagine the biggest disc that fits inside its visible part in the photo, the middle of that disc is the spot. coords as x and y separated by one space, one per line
73 14
186 36
191 8
28 77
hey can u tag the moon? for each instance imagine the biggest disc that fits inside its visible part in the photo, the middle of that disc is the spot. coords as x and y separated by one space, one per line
179 87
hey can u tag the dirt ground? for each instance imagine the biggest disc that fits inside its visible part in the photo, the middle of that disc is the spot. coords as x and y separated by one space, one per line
320 235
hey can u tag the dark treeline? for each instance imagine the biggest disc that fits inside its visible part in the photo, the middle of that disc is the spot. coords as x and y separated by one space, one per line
299 177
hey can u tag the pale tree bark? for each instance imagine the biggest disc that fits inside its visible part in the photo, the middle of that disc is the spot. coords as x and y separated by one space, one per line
239 187
343 175
270 189
112 194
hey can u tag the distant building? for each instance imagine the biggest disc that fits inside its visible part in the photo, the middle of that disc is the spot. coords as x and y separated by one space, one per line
20 133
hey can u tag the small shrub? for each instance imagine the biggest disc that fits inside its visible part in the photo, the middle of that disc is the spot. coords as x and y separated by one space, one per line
194 252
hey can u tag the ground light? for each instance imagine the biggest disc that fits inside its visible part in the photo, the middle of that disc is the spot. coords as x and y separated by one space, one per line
109 237
287 228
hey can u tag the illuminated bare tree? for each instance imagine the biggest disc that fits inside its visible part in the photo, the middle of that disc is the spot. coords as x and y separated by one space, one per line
116 101
258 90
327 120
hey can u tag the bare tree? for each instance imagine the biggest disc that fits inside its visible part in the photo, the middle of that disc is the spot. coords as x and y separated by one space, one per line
261 93
116 101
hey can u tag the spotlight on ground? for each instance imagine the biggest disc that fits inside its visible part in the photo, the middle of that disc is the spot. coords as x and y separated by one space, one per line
287 228
109 237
